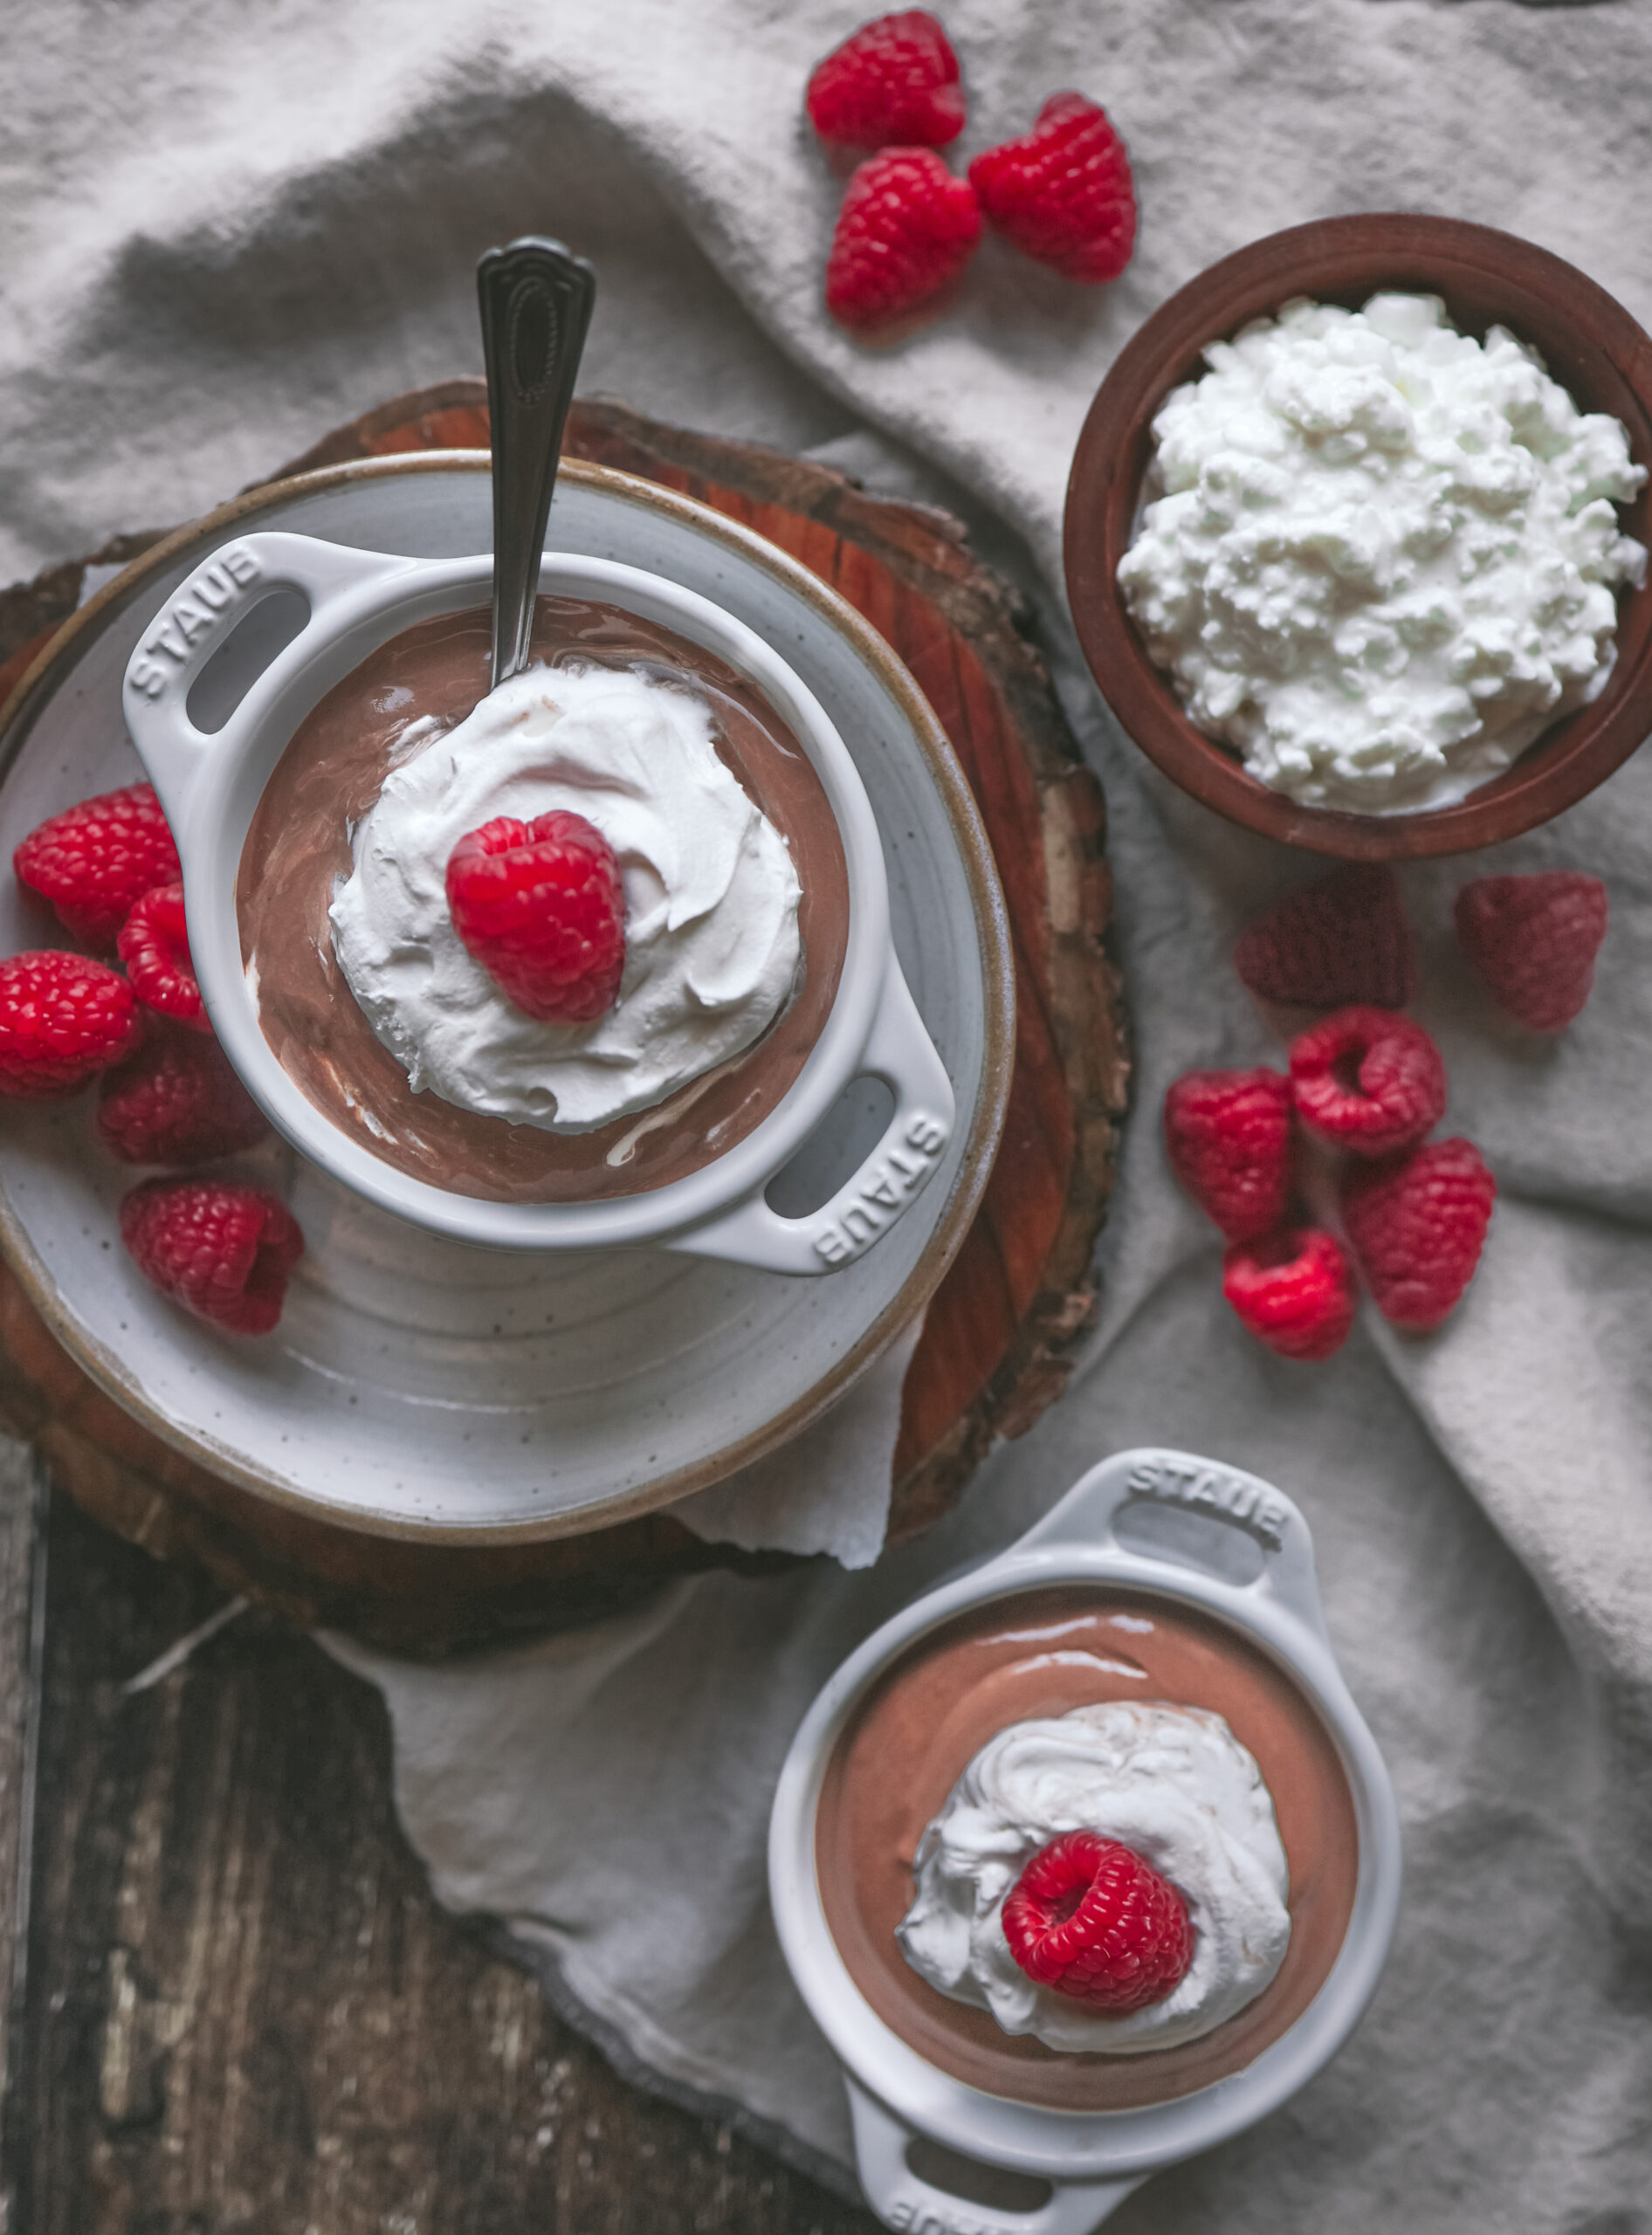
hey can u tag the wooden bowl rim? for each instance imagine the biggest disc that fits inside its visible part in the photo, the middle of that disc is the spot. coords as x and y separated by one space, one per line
1348 258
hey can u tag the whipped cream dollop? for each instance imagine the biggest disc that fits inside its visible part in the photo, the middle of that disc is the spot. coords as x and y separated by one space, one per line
1385 556
1174 1784
711 895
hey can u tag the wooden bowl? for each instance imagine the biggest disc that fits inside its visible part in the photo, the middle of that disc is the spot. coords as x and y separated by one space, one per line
1590 344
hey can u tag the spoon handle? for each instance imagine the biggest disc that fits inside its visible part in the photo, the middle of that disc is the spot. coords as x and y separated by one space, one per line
536 305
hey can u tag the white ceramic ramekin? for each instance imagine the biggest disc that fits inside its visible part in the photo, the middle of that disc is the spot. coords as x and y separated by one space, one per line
1204 1536
210 784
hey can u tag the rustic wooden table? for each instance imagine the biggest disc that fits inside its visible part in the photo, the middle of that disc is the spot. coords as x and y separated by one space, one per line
234 2004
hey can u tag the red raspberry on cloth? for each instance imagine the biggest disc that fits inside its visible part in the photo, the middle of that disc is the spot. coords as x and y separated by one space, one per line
92 861
1293 1289
1417 1223
892 83
221 1248
176 1101
154 947
1533 940
1090 1918
1373 1081
1343 939
1228 1135
540 906
906 228
62 1017
1064 193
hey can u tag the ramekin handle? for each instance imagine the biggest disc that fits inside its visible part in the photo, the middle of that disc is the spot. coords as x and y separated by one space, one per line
900 1052
1238 1511
902 2199
200 615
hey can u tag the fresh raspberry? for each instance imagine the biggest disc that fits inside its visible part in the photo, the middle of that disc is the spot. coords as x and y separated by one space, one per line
1534 940
155 945
540 906
219 1248
176 1101
892 83
1293 1289
1090 1918
62 1017
1371 1080
1228 1135
1343 939
1417 1223
92 861
906 228
1063 192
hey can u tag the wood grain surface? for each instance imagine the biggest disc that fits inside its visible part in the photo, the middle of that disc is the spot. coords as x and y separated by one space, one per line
994 1348
21 1644
243 2014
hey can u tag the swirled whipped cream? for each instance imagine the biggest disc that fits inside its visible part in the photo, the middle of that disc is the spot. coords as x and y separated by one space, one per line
1384 558
1174 1784
712 942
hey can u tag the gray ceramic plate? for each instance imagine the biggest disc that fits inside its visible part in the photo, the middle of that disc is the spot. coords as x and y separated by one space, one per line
416 1387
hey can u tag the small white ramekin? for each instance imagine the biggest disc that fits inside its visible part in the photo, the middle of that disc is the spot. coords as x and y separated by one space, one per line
211 783
1202 1535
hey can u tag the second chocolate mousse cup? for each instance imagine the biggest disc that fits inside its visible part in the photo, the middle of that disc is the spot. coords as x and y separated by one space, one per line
211 783
1160 1574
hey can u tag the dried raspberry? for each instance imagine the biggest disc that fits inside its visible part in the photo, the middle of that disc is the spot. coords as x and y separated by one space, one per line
1534 940
1063 192
1293 1289
62 1017
176 1101
894 82
154 947
92 861
1417 1223
219 1248
1343 939
1370 1079
1090 1918
540 906
906 228
1228 1135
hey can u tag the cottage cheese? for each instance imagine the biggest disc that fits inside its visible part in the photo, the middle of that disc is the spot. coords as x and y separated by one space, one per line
1174 1784
1385 557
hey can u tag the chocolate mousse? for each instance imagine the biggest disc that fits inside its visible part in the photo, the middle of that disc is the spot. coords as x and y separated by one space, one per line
299 847
1042 1654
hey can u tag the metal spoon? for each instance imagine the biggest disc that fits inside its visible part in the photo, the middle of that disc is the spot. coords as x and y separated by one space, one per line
536 305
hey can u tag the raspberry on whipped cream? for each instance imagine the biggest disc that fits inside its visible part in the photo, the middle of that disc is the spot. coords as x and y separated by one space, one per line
712 948
1171 1783
540 906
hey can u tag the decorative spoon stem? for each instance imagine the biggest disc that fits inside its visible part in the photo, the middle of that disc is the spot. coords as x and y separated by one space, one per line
536 302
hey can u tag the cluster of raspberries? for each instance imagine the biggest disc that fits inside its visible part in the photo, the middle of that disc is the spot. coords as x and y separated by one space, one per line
1062 193
1370 1082
221 1248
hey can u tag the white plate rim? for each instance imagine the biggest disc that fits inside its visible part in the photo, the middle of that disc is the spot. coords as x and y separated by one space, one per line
52 668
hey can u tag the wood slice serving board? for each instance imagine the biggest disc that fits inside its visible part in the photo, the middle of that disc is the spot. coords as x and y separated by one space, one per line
994 1350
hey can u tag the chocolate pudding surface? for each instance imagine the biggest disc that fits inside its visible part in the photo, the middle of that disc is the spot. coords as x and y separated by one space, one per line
297 847
1040 1654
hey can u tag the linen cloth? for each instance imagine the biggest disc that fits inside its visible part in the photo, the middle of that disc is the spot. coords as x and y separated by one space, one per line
228 231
